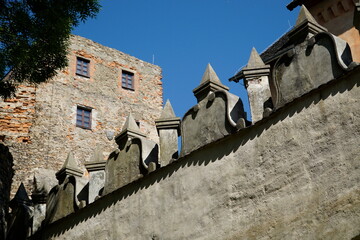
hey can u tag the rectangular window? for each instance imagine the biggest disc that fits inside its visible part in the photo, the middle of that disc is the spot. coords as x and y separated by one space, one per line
127 80
82 67
83 117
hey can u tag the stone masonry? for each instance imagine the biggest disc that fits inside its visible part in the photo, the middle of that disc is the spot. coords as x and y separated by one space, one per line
293 173
39 124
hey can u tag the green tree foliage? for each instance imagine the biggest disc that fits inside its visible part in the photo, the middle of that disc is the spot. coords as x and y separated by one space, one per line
34 36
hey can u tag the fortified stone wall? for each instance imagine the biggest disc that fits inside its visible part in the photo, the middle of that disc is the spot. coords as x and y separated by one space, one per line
292 175
41 123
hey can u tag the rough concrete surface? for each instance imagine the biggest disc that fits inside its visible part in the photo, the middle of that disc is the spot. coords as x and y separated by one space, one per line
293 175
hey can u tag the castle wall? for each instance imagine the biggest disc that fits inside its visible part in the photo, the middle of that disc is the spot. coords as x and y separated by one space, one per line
47 132
292 175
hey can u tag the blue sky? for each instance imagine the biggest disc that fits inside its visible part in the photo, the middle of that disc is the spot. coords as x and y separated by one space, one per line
183 36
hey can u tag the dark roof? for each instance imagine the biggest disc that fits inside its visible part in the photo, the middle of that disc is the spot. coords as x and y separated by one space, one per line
307 3
274 48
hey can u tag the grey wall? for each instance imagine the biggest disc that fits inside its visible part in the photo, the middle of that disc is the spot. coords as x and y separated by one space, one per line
293 175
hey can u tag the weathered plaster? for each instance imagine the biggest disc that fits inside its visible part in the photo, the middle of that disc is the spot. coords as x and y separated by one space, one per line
292 175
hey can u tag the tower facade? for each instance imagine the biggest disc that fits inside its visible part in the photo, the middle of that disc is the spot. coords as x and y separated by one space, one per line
81 108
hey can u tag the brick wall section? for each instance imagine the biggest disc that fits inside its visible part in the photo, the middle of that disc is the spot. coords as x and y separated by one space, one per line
16 118
6 174
52 133
17 114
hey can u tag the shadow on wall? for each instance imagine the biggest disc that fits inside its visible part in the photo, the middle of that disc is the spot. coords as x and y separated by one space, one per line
214 152
6 175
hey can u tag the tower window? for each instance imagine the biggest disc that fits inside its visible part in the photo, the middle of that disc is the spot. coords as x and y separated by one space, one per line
127 80
83 117
82 67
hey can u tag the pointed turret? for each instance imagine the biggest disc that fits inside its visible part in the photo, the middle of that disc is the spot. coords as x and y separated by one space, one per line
168 127
21 197
306 27
130 124
256 79
69 168
255 60
210 82
254 69
305 15
167 111
210 76
129 130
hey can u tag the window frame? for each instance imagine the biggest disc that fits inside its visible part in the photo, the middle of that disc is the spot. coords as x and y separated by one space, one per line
126 86
83 109
81 73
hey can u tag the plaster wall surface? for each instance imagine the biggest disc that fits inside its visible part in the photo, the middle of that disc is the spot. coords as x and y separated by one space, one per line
292 175
39 125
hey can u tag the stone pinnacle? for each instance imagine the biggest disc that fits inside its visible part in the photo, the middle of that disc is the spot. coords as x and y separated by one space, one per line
130 124
21 195
70 162
304 14
254 60
210 75
167 111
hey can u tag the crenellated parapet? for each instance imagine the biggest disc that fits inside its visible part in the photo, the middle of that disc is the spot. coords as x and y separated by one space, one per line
293 76
309 59
292 158
300 61
63 198
218 113
135 157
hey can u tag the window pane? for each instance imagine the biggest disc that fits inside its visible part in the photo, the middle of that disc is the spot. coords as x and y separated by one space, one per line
82 67
127 79
83 117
